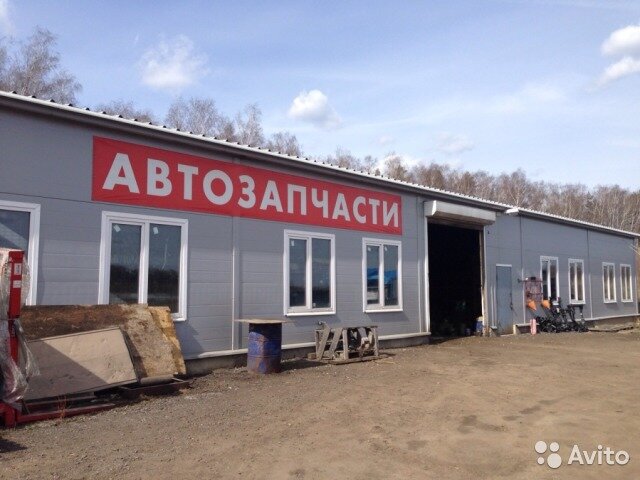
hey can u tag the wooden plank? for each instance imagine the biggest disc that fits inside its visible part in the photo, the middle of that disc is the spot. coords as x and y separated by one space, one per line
366 358
376 348
322 345
345 344
337 333
78 363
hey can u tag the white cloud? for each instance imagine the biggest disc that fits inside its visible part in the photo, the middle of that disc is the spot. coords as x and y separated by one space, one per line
626 66
5 23
453 144
313 107
624 41
172 64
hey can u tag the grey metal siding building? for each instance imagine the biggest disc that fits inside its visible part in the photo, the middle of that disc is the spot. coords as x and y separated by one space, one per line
450 259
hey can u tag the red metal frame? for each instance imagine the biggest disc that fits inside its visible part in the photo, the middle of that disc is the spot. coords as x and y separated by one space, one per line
16 259
10 416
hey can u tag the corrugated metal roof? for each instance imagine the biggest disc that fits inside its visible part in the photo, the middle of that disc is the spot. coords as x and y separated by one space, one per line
310 161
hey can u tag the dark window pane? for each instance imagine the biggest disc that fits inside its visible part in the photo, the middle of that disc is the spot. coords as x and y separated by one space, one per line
164 266
612 285
321 273
124 274
545 279
580 280
553 278
297 272
572 281
391 275
14 230
609 282
626 283
373 267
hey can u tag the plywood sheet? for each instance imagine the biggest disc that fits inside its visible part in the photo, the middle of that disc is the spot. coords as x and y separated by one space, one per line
151 351
80 362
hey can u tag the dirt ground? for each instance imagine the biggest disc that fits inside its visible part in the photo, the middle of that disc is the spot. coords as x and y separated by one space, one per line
468 408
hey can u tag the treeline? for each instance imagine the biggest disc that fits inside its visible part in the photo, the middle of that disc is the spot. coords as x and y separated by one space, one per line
608 205
32 67
201 116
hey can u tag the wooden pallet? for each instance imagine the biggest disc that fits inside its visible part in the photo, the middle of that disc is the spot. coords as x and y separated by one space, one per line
347 344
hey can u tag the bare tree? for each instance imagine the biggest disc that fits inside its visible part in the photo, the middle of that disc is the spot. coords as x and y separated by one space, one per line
34 69
228 130
464 182
249 126
4 55
344 158
197 115
285 142
201 116
395 168
432 175
515 189
127 110
369 164
485 185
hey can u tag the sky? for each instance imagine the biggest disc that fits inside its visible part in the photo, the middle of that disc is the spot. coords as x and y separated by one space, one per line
549 86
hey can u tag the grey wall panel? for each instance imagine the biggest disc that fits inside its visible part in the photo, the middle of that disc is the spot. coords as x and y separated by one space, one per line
198 337
208 325
69 252
565 242
63 260
261 249
34 147
555 240
610 249
504 247
558 239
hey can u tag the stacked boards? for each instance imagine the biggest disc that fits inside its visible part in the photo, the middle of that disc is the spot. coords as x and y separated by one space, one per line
80 331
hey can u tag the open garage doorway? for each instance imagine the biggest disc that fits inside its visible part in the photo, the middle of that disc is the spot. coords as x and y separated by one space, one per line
455 279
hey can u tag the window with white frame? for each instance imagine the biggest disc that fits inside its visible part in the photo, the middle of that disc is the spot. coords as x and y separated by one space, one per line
143 260
609 282
20 229
625 283
381 274
309 273
576 281
549 276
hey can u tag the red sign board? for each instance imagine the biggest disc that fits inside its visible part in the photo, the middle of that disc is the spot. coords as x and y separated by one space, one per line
135 174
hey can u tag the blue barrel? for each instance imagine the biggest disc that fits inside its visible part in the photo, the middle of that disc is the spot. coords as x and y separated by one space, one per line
265 348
